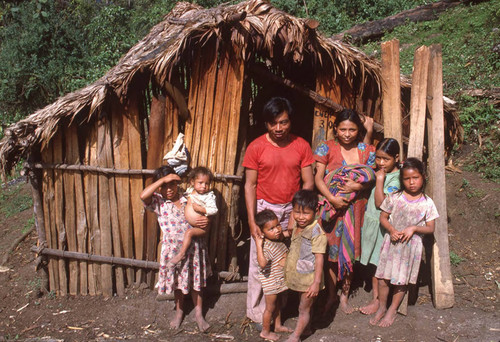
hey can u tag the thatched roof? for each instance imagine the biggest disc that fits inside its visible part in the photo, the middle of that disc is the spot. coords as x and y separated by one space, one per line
264 31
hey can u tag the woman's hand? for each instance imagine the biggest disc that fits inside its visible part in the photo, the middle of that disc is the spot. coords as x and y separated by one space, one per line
350 186
202 222
407 233
171 177
339 202
368 124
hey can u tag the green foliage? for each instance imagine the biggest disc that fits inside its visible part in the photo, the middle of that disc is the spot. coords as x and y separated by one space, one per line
486 159
13 202
28 225
455 259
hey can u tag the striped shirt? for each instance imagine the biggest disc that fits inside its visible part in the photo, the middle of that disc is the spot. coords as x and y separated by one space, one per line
272 276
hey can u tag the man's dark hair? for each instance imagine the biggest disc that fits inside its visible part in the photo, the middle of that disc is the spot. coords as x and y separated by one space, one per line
305 199
274 107
264 216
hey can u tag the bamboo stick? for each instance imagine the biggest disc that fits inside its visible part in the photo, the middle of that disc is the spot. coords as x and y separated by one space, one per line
59 212
70 213
171 124
136 183
418 102
80 213
442 280
91 184
119 131
194 88
156 133
48 211
391 93
103 145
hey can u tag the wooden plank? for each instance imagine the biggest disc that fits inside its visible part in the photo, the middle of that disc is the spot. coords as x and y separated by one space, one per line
91 185
194 88
103 144
171 124
136 182
323 116
442 280
119 131
391 92
70 212
59 211
80 212
49 218
418 102
153 161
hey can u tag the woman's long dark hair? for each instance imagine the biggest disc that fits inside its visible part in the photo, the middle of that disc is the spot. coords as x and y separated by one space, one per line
353 116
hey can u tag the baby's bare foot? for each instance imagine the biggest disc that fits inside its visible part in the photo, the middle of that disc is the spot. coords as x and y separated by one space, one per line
176 322
378 315
175 260
388 319
202 323
270 336
371 308
282 328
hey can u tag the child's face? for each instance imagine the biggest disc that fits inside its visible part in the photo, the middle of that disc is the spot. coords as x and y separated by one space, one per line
272 230
412 181
201 184
169 190
385 161
303 216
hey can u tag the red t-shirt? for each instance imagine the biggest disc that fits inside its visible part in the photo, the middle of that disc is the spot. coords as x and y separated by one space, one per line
278 168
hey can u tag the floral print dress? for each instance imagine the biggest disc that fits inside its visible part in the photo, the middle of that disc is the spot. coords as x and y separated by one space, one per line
193 271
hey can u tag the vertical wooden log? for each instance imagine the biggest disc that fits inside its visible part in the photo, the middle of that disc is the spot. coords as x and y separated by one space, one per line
171 124
324 117
136 182
103 144
154 157
442 281
418 102
121 161
49 218
391 92
91 184
73 157
59 211
195 87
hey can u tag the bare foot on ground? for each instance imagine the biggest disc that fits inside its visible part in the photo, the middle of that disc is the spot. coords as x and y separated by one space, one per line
293 338
176 322
388 319
270 336
371 308
378 315
345 306
202 323
282 328
176 260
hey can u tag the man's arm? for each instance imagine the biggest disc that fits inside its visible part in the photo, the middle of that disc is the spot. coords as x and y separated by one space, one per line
307 177
251 199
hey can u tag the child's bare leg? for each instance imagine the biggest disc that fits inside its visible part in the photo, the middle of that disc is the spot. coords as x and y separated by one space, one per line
304 317
198 307
179 309
372 307
383 293
186 242
344 295
267 318
390 315
278 327
331 285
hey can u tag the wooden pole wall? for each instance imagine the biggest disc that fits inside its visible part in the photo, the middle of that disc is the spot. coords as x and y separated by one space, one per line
324 117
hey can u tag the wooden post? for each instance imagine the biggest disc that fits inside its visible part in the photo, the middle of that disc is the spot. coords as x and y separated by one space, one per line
391 93
418 102
324 116
442 281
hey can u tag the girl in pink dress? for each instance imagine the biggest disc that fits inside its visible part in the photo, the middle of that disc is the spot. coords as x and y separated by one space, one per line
190 276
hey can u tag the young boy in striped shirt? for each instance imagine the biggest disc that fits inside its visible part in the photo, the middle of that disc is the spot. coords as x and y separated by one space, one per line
271 256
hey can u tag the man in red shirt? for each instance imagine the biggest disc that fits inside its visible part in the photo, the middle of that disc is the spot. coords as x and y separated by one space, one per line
275 163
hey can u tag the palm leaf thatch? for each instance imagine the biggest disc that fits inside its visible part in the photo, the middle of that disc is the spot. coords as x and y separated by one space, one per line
254 28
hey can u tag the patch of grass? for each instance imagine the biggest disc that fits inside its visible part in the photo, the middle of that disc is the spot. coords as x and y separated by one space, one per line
27 226
455 259
486 158
13 202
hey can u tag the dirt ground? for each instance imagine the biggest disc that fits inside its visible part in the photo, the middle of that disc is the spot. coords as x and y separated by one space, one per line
474 217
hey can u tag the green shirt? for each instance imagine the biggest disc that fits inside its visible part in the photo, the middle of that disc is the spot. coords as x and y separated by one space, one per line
300 262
